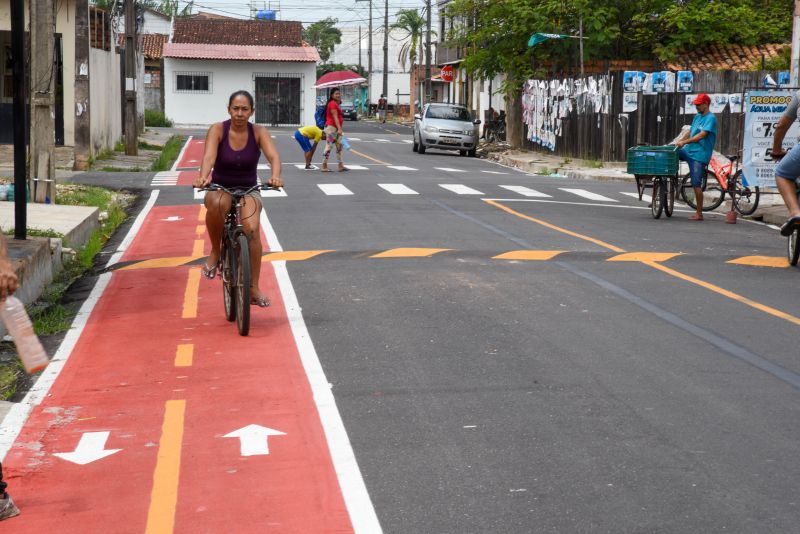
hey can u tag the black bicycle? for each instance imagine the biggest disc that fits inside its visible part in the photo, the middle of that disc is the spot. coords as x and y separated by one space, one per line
235 259
793 245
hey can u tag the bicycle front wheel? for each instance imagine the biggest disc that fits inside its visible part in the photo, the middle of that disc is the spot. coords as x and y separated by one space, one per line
243 279
745 199
229 272
659 197
669 203
793 247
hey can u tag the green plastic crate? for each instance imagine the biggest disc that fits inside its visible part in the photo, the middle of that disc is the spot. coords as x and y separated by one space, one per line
653 160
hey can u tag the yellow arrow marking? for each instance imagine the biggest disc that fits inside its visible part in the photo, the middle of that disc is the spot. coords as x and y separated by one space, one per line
409 252
645 256
529 255
164 497
293 255
761 261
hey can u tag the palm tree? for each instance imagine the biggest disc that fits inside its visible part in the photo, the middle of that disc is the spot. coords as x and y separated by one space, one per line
413 25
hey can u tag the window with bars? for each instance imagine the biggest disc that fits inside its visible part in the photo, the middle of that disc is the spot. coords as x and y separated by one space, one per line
193 82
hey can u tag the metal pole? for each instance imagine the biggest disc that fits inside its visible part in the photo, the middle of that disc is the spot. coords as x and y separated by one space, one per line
19 118
359 47
428 55
386 49
131 133
580 36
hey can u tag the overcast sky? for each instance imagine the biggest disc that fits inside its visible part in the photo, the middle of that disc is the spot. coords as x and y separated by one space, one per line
349 12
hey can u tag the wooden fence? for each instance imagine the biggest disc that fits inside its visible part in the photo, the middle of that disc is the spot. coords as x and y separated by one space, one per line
656 121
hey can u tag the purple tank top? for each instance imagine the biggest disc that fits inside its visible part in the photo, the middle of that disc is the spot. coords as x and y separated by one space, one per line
236 168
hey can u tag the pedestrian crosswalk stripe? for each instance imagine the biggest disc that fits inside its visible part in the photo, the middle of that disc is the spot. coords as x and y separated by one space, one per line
381 140
448 169
460 189
273 193
262 167
645 198
354 139
494 172
401 168
398 189
525 191
356 167
587 194
302 167
334 189
409 141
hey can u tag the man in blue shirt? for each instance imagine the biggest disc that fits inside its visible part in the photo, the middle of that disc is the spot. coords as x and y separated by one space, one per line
697 149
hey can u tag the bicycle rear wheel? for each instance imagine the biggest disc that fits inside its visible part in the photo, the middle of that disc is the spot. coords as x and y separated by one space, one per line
713 194
687 191
745 199
659 197
243 284
228 276
793 247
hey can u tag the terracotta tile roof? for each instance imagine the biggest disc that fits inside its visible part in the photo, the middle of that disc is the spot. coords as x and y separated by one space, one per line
151 44
205 15
727 57
238 32
247 53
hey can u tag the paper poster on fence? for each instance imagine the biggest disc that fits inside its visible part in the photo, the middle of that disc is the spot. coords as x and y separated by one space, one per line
630 102
632 80
735 102
688 107
718 102
762 110
685 81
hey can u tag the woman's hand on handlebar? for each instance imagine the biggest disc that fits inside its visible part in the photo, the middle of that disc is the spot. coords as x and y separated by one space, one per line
275 181
200 183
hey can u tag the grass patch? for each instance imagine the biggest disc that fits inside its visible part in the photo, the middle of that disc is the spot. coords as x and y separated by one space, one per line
169 154
544 171
10 372
121 169
153 117
148 146
106 153
594 164
35 232
119 147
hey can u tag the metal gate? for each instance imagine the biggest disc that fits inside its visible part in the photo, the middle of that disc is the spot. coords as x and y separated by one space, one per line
279 99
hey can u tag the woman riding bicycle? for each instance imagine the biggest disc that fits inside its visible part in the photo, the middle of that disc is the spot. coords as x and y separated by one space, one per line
230 159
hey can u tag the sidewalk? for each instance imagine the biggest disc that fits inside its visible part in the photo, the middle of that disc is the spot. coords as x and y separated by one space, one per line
771 209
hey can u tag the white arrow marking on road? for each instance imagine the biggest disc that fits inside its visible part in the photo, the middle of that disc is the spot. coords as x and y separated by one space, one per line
173 218
91 447
254 439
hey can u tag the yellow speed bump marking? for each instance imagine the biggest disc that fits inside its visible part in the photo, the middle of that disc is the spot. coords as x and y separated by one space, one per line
761 261
529 255
159 262
164 497
183 355
645 256
409 252
293 255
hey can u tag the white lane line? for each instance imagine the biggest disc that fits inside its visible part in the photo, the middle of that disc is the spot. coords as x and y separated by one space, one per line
382 141
356 498
448 169
494 172
526 191
334 189
408 141
262 166
401 168
460 189
398 189
356 167
587 194
645 198
180 154
354 139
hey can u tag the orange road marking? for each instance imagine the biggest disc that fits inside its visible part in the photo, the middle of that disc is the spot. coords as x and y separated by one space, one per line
368 157
183 355
202 215
645 256
164 496
200 230
529 255
293 255
190 298
761 261
197 249
409 252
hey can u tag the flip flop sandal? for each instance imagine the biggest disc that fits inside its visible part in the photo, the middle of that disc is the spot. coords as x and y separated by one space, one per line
789 226
325 170
209 272
261 302
344 169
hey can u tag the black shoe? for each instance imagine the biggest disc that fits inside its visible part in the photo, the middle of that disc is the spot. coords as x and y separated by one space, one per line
790 226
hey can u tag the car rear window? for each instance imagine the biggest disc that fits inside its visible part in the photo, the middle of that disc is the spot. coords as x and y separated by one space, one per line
447 112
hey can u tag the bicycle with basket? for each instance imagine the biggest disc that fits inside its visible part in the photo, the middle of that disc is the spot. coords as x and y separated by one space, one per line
656 168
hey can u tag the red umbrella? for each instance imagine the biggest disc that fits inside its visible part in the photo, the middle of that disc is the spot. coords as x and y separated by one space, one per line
339 78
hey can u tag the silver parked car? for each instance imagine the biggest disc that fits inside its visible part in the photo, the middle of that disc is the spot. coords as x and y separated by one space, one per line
446 127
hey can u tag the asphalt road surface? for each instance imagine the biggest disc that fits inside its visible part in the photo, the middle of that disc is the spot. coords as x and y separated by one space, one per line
507 353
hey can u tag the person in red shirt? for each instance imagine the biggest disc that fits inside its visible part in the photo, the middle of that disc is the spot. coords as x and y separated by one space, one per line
333 130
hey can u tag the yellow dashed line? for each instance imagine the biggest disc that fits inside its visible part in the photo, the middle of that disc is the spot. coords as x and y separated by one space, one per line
183 355
190 297
197 249
761 261
200 230
202 215
409 252
293 255
368 157
645 256
529 255
164 497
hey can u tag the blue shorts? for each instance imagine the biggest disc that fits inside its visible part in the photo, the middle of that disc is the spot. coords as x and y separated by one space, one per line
305 144
789 166
697 169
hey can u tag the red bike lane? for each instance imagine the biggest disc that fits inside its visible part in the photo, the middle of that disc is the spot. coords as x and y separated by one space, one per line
216 432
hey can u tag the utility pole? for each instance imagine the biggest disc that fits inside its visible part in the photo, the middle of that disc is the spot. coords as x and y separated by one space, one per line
131 130
386 50
82 112
795 65
42 166
369 57
18 76
428 56
580 39
359 47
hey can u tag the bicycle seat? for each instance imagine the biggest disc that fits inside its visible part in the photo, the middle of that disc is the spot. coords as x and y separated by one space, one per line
733 157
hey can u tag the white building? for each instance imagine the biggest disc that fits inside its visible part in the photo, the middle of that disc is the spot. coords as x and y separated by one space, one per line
207 60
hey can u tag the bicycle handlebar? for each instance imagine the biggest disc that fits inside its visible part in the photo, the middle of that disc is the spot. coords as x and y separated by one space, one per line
242 192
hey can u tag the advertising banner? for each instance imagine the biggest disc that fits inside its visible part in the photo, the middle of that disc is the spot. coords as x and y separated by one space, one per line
762 110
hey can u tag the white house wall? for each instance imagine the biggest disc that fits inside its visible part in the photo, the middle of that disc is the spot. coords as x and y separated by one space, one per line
227 76
105 102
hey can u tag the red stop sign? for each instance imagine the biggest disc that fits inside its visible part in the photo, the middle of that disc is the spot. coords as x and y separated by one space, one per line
448 73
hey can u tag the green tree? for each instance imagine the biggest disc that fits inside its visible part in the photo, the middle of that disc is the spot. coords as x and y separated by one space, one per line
324 36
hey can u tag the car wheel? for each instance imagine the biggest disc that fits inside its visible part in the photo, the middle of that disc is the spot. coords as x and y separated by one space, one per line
462 153
421 147
472 153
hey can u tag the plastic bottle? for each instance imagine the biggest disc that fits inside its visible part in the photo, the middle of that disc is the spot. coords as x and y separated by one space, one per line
345 143
29 348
